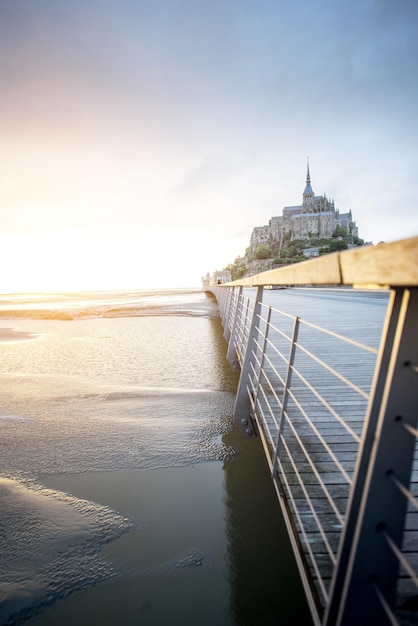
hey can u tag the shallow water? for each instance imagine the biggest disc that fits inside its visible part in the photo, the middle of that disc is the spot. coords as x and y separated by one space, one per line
173 562
127 492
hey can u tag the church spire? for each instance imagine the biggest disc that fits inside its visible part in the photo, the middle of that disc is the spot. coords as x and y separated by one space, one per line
308 194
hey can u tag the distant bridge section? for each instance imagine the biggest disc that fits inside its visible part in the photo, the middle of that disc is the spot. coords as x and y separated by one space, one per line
330 384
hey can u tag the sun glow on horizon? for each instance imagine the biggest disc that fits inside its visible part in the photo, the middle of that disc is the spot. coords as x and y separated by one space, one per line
81 261
140 147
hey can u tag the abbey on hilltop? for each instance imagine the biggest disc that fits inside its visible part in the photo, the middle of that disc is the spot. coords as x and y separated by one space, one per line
315 219
306 230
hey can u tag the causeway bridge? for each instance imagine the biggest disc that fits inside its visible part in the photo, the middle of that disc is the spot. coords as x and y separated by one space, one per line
328 356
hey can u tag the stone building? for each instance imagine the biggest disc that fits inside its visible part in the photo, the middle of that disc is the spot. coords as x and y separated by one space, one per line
316 218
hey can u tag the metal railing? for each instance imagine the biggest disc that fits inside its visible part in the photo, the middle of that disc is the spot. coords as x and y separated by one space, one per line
338 422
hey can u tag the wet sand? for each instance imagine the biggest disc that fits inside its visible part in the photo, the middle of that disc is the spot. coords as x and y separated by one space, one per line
44 534
15 334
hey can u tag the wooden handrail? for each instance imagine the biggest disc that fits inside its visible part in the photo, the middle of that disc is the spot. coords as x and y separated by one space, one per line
385 265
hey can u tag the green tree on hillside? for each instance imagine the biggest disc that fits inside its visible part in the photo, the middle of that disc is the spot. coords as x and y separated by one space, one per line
238 268
262 252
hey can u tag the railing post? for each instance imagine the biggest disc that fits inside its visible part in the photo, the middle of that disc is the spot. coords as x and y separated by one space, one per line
286 392
223 299
365 562
263 353
227 321
241 328
220 296
231 352
242 408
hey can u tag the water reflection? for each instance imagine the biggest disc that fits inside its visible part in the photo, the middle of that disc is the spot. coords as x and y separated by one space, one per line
226 377
264 582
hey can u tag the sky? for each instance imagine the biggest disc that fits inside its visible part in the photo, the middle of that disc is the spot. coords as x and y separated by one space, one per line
141 141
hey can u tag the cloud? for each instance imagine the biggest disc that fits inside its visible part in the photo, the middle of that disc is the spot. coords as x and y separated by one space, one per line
197 118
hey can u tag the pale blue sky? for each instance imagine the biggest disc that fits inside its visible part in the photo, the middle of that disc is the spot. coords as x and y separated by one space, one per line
141 141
